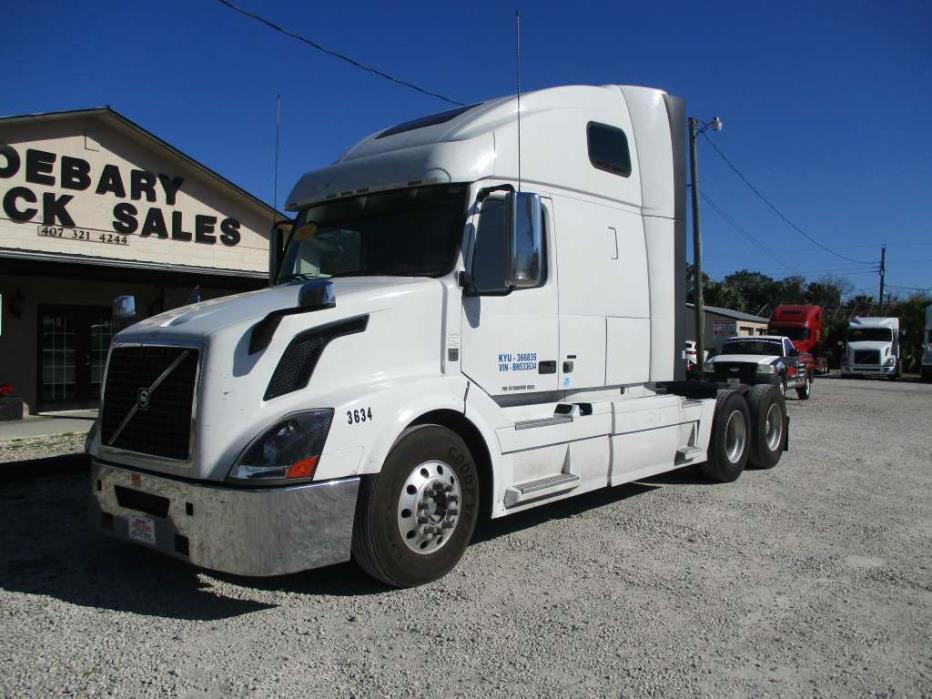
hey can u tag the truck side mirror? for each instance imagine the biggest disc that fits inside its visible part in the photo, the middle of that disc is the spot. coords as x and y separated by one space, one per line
277 243
124 313
524 266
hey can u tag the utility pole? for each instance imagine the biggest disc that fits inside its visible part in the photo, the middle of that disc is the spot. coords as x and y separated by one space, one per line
695 128
697 243
883 271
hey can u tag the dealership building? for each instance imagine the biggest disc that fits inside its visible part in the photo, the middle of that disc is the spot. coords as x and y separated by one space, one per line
95 207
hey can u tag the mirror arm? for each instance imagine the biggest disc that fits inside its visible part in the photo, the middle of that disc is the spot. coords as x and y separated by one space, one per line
486 191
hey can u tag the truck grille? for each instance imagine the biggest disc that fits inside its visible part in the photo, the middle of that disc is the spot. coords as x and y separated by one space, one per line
725 370
866 357
148 399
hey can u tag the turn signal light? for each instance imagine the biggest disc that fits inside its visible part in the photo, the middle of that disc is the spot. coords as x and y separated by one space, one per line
302 469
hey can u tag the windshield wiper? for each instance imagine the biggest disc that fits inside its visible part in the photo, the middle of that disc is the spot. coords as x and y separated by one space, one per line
371 273
300 275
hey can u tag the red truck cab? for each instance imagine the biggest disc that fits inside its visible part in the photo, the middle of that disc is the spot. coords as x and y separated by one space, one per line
803 325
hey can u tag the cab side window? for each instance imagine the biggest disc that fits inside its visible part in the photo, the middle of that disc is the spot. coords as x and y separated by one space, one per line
490 253
488 262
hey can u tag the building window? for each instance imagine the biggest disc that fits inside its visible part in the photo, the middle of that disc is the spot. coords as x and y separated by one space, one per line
608 149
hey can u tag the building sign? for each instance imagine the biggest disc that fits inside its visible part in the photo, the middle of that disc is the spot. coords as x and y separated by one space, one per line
723 328
130 201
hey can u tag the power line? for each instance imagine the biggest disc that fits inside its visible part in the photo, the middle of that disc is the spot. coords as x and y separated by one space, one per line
774 208
911 288
725 217
313 44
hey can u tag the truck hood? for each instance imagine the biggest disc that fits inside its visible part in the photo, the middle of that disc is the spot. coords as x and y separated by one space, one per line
208 317
744 358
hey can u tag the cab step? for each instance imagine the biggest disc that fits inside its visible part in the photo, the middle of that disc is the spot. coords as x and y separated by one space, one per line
540 488
686 454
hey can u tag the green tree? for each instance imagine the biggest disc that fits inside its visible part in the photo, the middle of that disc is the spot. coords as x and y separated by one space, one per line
760 292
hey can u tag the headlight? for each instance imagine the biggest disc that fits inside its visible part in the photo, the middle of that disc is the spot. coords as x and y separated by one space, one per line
287 452
708 368
889 361
766 369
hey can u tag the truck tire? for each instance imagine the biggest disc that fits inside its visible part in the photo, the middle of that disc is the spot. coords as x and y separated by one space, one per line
768 425
415 518
729 445
804 393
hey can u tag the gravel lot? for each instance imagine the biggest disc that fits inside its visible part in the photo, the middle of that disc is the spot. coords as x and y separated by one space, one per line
811 579
17 450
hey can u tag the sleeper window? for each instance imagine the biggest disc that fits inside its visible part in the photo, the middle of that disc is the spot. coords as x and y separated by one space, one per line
608 149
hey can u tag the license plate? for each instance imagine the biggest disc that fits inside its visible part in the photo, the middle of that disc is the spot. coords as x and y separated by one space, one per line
142 528
733 381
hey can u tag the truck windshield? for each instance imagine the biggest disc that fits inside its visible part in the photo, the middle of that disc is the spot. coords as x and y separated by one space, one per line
408 232
764 347
875 334
794 332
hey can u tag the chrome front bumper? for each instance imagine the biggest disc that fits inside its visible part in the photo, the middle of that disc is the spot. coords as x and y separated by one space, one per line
260 532
869 369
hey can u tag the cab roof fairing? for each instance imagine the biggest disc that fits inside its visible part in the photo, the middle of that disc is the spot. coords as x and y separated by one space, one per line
481 143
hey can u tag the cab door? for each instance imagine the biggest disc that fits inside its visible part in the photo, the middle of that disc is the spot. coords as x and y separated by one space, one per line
510 337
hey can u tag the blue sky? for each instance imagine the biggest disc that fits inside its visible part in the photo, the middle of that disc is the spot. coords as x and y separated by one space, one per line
826 105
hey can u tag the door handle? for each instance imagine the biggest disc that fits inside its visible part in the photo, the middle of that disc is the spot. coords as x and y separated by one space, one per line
547 367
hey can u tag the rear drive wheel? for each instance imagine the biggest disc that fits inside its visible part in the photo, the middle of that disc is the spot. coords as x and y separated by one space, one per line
805 393
729 446
416 517
768 425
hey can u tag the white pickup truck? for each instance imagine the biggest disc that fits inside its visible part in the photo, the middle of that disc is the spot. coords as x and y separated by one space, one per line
764 359
442 338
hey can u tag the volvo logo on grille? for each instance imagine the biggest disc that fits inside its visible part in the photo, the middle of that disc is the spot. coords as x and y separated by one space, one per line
734 370
142 399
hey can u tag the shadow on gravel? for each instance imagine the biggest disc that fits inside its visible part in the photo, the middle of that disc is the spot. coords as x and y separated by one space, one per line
491 528
688 475
48 547
50 466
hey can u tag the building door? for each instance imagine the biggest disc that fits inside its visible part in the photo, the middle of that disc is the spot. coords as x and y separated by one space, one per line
73 345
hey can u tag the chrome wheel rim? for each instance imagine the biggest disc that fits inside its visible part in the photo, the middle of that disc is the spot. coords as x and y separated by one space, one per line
736 435
429 507
774 427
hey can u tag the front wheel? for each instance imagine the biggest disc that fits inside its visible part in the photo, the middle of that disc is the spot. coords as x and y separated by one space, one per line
805 393
416 517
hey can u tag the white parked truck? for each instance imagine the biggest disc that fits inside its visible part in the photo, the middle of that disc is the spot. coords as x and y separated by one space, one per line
873 348
448 332
926 368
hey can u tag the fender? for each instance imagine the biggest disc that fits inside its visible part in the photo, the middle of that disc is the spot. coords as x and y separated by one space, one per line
367 423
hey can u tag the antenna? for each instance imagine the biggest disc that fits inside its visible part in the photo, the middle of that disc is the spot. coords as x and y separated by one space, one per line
518 75
278 128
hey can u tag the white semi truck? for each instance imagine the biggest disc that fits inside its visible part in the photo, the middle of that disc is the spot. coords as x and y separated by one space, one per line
456 325
873 348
